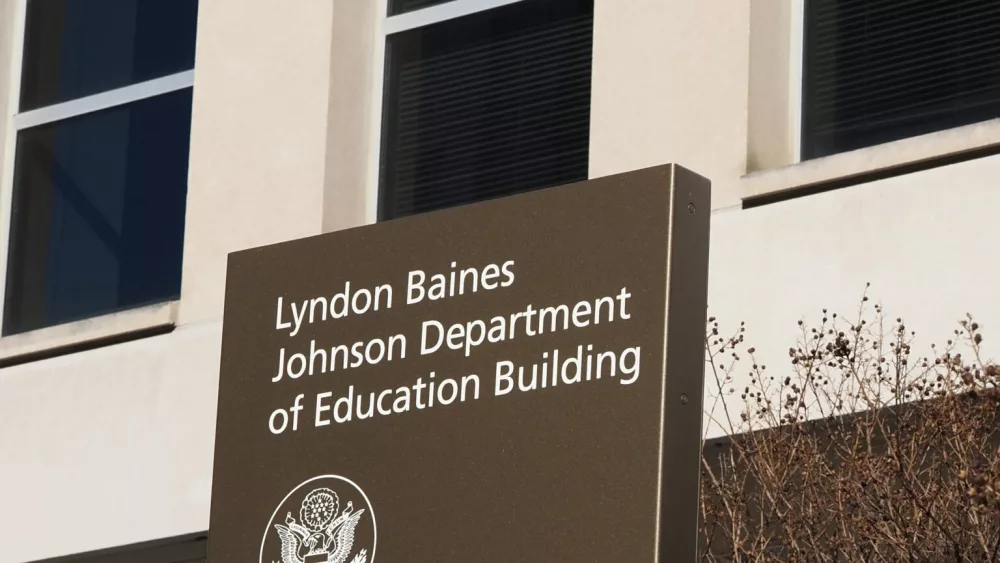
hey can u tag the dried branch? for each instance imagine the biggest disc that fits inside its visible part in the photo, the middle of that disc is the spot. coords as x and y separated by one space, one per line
862 451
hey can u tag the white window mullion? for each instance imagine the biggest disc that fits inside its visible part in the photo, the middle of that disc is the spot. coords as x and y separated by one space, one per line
440 13
9 141
376 95
105 100
795 74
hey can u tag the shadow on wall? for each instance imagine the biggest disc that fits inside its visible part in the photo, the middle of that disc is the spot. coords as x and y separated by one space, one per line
181 549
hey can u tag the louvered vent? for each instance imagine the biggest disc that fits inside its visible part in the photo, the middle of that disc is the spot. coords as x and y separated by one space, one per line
487 105
880 70
402 6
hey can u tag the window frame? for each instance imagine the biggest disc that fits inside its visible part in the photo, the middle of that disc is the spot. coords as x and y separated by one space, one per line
796 97
790 175
796 75
390 25
140 320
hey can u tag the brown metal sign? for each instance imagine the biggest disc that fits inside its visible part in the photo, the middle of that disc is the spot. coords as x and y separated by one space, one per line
514 380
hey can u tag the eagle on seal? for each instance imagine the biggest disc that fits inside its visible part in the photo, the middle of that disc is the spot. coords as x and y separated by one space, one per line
333 544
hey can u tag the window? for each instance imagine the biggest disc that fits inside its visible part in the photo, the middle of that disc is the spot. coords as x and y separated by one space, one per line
485 104
881 70
100 165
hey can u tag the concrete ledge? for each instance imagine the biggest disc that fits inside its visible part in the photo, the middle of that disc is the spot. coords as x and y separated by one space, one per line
52 340
873 160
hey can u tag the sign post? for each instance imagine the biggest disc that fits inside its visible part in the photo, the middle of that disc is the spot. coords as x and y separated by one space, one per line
514 380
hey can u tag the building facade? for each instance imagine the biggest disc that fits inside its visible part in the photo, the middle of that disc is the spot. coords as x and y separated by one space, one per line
141 141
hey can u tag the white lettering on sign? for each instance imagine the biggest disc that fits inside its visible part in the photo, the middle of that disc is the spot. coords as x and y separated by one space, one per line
340 305
533 322
581 367
349 401
468 280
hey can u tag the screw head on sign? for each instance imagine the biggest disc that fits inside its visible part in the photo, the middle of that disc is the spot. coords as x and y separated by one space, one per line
684 399
691 209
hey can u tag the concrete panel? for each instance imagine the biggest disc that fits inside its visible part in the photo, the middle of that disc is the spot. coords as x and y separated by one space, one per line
925 241
258 141
771 131
670 85
111 446
347 201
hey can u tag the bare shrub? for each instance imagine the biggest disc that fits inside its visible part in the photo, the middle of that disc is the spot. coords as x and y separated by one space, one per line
862 451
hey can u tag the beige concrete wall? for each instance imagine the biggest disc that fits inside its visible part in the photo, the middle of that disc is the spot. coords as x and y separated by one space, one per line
670 85
258 141
771 132
108 447
925 241
347 201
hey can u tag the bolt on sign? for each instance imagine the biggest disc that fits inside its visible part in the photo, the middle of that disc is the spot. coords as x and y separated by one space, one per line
514 380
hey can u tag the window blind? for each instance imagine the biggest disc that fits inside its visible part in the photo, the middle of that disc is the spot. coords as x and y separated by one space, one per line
487 105
881 70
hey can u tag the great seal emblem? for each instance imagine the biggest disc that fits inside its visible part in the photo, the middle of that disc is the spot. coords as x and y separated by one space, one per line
326 519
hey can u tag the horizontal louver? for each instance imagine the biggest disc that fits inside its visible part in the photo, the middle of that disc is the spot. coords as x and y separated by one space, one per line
881 70
487 105
402 6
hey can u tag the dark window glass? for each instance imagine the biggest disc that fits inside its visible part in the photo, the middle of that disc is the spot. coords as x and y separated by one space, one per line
75 48
487 105
881 70
98 213
402 6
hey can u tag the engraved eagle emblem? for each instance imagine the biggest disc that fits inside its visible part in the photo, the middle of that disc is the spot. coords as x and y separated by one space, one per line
324 532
